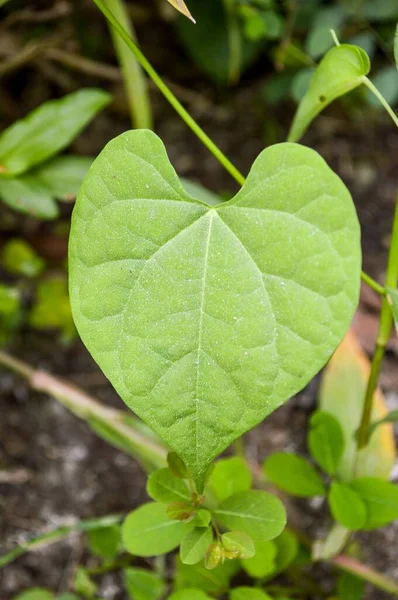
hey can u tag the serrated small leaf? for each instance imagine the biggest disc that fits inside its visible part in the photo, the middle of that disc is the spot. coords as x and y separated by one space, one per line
294 474
380 498
195 544
142 584
147 531
341 70
48 129
263 562
104 541
229 476
248 593
206 302
347 506
164 486
238 543
177 465
326 441
260 515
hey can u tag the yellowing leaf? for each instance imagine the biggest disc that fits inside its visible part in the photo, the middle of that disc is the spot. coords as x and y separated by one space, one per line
342 394
182 8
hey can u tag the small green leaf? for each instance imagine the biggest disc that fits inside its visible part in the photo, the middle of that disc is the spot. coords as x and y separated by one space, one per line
189 594
350 587
104 541
19 258
248 593
164 486
238 543
215 582
202 518
380 498
35 594
147 531
206 302
62 176
52 308
346 506
177 465
181 511
393 299
260 515
263 562
27 194
83 584
294 475
48 129
142 584
341 70
229 476
287 546
214 555
194 545
326 441
67 596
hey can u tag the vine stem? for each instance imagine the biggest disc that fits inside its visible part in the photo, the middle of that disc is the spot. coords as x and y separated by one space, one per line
381 98
384 332
133 77
168 94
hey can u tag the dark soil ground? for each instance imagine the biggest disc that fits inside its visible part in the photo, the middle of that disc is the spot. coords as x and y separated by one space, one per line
59 470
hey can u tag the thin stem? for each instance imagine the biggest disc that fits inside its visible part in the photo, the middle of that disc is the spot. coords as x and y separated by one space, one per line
168 94
334 36
385 326
381 98
373 284
134 80
350 565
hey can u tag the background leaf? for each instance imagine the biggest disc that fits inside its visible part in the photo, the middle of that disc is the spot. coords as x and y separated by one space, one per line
48 129
259 514
214 582
35 594
342 393
263 563
186 320
104 541
142 584
229 476
62 176
28 195
380 498
147 531
294 475
19 258
347 506
340 71
326 441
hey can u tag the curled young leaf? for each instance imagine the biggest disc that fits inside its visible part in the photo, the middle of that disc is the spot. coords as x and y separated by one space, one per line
239 544
206 319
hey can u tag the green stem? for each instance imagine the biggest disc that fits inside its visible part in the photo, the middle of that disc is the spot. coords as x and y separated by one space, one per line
350 565
168 94
107 422
373 284
385 326
134 80
56 535
381 98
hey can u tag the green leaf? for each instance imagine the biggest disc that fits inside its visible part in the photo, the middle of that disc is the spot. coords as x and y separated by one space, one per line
67 597
35 594
83 584
346 506
294 475
18 257
229 476
163 486
334 543
396 46
52 308
263 562
27 194
238 543
62 176
391 417
350 587
248 593
287 546
142 584
260 515
326 441
386 81
379 10
10 311
177 465
180 511
198 191
189 594
202 518
195 544
341 70
205 302
393 299
147 531
214 556
319 39
380 498
104 541
48 130
214 582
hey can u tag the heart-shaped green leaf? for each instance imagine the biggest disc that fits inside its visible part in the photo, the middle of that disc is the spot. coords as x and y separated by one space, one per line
207 318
